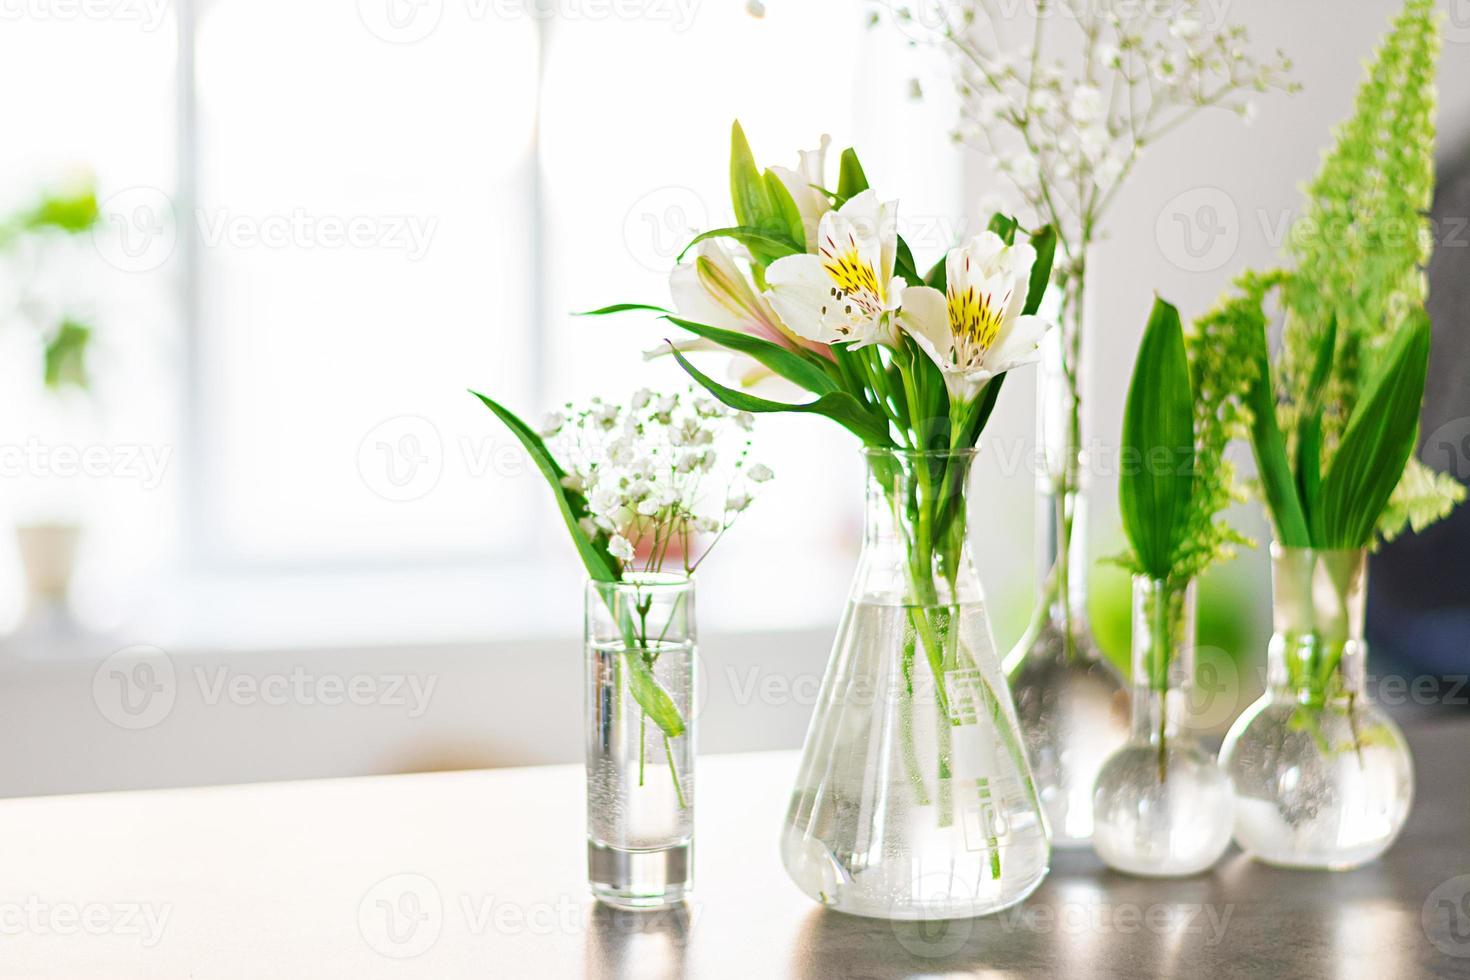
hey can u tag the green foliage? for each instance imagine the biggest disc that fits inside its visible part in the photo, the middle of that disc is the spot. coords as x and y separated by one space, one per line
65 356
600 564
1353 302
1181 417
1157 483
770 224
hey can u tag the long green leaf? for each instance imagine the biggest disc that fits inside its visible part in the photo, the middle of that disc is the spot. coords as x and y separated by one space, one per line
903 264
622 308
1157 481
1309 427
1044 240
1278 485
747 190
788 364
785 208
838 406
600 564
758 240
1377 443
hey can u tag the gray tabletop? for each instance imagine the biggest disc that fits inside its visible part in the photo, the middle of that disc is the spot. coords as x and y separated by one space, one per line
480 874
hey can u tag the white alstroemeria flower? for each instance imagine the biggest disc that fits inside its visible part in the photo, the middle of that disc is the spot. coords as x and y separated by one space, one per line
847 292
802 184
976 331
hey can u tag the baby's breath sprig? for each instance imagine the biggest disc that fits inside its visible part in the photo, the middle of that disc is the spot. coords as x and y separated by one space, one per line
664 476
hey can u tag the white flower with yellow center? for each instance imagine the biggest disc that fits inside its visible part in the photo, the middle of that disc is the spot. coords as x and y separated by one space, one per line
975 330
846 293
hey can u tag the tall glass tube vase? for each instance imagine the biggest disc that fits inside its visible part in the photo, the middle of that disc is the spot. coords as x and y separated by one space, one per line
1323 778
640 779
1161 807
1072 703
914 799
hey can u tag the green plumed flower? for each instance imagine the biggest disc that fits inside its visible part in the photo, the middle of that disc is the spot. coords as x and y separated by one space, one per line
1333 421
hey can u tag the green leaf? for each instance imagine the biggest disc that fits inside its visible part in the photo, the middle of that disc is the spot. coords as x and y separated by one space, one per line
747 190
622 308
1278 485
601 566
1158 441
903 264
65 356
851 181
1377 443
838 406
760 242
938 275
600 563
1044 240
786 208
1309 426
1005 226
70 213
788 364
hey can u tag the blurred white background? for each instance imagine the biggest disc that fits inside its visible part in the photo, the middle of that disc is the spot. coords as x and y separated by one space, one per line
322 222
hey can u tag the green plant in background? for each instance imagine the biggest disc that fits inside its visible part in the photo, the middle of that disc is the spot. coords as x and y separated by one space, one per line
1175 483
64 342
1334 418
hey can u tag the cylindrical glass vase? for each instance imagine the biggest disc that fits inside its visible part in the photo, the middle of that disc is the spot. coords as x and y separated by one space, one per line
1072 702
640 646
1323 778
914 799
1161 807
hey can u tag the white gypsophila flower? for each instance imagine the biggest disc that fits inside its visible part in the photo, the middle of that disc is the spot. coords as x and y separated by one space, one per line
745 420
620 548
551 424
708 525
760 473
687 462
1087 104
737 501
588 526
640 399
648 507
574 482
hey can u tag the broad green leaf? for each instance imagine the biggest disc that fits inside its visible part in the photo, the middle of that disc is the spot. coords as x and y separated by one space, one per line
1278 485
772 245
788 364
601 566
622 308
903 264
838 406
1044 240
1005 226
1377 443
938 275
1158 441
786 208
851 181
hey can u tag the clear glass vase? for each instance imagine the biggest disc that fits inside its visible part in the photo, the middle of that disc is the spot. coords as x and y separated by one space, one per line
1071 701
1161 805
914 799
640 645
1323 778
